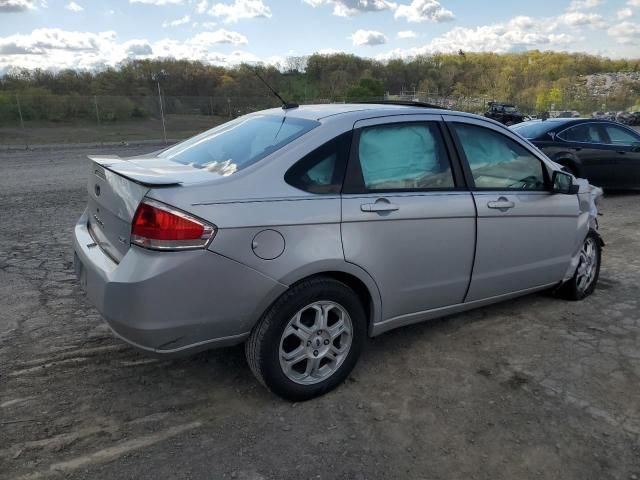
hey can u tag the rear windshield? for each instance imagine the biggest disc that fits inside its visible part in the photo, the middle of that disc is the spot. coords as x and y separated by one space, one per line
237 144
532 129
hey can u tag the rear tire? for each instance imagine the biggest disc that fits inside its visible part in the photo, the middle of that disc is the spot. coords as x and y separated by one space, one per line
584 280
309 340
568 167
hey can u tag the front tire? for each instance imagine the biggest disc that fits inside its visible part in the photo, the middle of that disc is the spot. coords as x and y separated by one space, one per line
309 340
584 280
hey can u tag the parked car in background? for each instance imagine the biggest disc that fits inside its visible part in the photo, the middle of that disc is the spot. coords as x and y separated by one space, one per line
635 119
505 113
623 117
604 152
303 231
568 114
599 116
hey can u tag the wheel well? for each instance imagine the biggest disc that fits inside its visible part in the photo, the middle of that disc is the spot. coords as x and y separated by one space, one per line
355 284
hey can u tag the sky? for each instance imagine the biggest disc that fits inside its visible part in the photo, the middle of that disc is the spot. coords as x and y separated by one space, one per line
92 34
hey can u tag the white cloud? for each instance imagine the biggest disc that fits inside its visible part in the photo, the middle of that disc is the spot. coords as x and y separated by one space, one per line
634 3
52 48
74 7
580 18
329 51
208 25
519 33
12 6
424 10
350 8
177 22
137 48
202 6
206 39
624 13
369 38
240 9
584 4
407 34
159 3
625 32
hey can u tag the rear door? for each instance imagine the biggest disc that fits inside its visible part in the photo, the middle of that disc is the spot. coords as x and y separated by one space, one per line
587 141
406 217
624 145
526 235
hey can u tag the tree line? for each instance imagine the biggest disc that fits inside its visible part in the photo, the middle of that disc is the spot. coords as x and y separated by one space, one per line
533 80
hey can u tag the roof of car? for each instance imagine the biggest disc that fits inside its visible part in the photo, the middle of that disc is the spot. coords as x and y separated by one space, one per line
322 111
560 122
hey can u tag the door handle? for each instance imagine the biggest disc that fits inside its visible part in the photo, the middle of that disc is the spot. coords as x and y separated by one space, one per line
502 204
379 207
576 149
621 152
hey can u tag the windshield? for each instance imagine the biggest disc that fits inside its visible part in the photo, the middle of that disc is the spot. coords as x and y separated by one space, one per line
510 109
532 129
237 144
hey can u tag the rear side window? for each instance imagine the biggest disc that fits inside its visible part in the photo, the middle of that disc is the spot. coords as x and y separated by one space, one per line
322 171
399 157
583 133
237 144
497 162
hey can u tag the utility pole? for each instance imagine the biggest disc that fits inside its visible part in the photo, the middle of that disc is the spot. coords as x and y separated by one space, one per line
20 111
164 128
95 101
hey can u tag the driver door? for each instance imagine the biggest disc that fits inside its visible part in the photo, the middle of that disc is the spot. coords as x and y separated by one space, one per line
624 147
525 234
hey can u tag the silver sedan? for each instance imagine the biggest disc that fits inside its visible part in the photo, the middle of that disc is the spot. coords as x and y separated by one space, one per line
302 231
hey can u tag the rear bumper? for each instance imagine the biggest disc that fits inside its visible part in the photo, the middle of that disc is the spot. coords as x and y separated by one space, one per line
172 303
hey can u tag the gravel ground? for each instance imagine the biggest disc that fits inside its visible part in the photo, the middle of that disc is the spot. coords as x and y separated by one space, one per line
532 388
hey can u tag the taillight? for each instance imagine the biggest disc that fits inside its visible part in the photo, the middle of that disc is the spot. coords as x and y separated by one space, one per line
160 227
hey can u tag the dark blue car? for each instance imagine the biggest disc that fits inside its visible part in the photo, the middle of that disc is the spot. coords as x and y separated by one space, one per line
604 152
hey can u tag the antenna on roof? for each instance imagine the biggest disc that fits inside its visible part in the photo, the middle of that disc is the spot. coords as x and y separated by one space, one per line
285 105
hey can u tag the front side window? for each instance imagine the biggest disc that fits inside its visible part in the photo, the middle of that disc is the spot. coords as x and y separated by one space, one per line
621 136
583 133
400 157
497 162
237 144
322 171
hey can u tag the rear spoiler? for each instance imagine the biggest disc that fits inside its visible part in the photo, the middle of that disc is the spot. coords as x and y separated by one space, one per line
135 173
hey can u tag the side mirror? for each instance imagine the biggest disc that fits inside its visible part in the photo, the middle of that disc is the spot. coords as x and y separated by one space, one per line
635 147
563 183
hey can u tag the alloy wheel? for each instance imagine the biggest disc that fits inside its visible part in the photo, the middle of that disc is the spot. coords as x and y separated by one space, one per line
588 264
315 342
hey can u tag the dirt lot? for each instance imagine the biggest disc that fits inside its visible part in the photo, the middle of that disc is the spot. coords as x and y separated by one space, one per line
533 388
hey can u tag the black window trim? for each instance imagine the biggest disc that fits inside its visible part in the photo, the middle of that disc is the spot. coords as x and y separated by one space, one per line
354 180
466 167
601 125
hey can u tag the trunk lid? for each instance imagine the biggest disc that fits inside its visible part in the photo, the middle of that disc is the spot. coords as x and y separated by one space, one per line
117 186
113 200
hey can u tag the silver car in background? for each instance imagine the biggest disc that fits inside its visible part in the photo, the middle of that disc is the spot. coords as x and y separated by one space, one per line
302 231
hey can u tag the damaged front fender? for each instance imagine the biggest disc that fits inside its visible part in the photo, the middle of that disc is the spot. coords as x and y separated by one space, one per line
588 199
